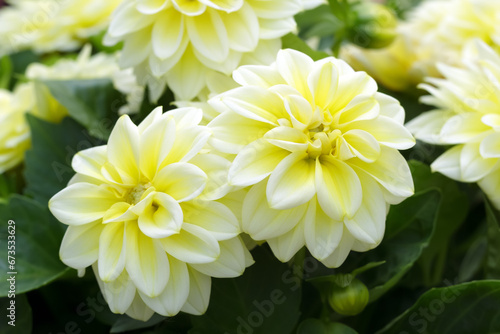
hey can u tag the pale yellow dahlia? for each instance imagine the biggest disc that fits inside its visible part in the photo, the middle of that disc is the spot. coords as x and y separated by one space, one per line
143 211
14 137
467 116
52 25
35 98
85 66
435 31
319 147
177 42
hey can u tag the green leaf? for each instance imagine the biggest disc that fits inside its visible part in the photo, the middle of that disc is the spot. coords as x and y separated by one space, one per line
48 162
452 213
37 238
92 103
343 280
459 309
408 232
20 312
264 300
293 41
6 70
318 21
493 236
21 60
316 326
125 323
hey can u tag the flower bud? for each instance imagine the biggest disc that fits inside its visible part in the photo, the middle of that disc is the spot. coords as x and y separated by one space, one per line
349 300
374 25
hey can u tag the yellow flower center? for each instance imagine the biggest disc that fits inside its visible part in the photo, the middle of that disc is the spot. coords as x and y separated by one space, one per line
135 194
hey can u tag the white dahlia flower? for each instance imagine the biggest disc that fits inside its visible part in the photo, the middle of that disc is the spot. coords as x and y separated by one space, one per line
177 42
142 211
435 31
85 66
319 147
52 25
467 116
15 136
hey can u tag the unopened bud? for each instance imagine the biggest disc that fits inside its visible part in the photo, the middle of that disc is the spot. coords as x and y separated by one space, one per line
374 25
349 300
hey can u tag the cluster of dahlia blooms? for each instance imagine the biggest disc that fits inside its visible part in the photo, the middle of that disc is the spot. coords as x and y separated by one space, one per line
300 153
467 116
179 42
52 25
433 32
35 98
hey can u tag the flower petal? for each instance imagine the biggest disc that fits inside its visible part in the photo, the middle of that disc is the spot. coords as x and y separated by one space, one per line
262 222
427 126
322 233
338 257
255 162
448 163
189 7
156 142
338 187
386 131
193 244
288 244
175 294
212 216
390 170
323 82
463 128
255 103
146 263
199 292
161 219
217 169
257 75
119 293
208 35
89 162
472 165
112 251
231 262
80 245
490 146
167 34
292 182
243 34
81 203
183 181
368 225
123 147
231 132
363 145
295 67
139 310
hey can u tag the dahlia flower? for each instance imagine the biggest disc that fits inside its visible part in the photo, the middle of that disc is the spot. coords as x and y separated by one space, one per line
52 25
35 98
142 211
14 137
85 66
319 147
435 31
178 42
467 116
